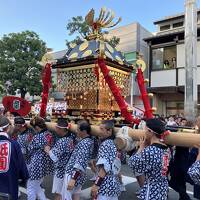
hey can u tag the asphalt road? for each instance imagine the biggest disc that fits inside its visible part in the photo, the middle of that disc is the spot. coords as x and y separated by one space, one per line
128 179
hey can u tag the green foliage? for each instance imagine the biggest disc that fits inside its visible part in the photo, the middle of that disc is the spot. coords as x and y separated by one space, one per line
2 89
20 54
78 27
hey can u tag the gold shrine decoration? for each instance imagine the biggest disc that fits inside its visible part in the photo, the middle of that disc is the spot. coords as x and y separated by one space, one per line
87 53
105 20
81 79
110 48
72 45
74 80
80 87
84 46
85 101
73 56
141 64
47 58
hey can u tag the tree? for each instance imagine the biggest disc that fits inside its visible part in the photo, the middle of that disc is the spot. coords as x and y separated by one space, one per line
77 25
2 89
20 54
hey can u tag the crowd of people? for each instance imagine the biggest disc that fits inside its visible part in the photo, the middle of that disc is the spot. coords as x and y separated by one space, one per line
30 153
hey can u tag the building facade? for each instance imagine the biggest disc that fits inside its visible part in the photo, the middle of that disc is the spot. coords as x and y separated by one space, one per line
167 64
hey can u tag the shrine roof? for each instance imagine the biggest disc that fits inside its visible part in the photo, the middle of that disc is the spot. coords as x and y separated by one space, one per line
88 50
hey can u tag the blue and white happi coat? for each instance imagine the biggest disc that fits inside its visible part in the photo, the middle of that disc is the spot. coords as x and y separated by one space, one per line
41 164
60 154
12 166
24 139
79 159
194 172
153 162
107 155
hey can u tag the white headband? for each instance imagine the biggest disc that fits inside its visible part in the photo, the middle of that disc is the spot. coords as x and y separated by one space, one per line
62 126
3 127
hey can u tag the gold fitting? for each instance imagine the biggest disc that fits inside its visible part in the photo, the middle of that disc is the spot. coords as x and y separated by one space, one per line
110 74
102 49
153 109
146 80
129 109
133 66
150 94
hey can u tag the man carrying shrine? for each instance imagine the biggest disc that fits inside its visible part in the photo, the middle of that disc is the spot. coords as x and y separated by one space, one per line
12 164
24 136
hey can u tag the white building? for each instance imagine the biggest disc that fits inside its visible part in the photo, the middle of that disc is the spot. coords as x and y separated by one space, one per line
167 80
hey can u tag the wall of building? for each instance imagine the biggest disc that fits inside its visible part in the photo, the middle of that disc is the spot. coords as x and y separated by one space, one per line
142 45
131 39
128 37
168 104
181 55
163 78
159 105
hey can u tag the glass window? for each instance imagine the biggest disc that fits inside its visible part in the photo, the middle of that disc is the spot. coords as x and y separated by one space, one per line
164 58
178 24
165 27
198 18
157 55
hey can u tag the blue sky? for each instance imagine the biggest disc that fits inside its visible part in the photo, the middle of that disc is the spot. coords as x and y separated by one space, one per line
48 18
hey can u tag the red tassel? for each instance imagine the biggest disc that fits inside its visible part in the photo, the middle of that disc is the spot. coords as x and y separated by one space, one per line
46 81
164 135
144 95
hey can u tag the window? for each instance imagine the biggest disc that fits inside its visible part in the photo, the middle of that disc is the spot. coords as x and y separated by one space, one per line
198 18
178 24
164 58
165 27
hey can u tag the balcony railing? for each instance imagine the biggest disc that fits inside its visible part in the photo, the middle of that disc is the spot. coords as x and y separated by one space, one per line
170 77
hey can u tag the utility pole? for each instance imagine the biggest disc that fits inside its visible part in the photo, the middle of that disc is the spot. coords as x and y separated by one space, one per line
191 93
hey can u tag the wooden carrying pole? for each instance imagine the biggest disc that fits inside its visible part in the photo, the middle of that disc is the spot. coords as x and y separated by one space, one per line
174 138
